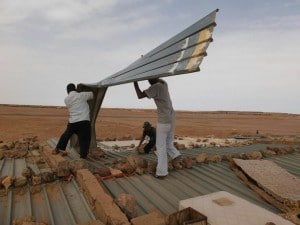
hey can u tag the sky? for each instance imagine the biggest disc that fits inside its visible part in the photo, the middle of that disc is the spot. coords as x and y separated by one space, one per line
253 64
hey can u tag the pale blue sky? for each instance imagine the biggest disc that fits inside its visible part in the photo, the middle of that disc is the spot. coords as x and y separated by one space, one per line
252 65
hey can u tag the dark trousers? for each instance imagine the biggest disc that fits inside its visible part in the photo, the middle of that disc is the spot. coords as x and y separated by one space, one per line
83 130
149 146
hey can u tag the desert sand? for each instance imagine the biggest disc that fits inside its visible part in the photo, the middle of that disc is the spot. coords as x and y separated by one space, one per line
49 122
19 122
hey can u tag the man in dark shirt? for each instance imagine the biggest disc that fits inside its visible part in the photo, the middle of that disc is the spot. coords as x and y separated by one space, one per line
151 133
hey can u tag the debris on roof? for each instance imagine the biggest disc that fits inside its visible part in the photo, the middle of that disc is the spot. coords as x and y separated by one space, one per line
59 188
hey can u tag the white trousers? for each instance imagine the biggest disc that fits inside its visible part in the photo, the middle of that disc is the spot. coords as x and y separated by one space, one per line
165 146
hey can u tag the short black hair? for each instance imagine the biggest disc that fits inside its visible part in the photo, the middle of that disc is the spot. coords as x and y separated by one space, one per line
71 87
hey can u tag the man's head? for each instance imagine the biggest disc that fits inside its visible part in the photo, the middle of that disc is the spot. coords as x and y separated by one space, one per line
146 125
156 80
71 87
153 80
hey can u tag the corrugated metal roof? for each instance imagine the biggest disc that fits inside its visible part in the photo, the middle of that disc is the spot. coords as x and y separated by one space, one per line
202 179
65 204
53 203
62 202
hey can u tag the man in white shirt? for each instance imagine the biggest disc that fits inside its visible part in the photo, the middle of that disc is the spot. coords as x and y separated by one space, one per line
165 123
79 120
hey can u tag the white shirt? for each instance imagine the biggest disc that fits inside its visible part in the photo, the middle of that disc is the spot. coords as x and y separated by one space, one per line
160 93
77 105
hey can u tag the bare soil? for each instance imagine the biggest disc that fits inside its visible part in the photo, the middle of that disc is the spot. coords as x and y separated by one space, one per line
49 122
17 122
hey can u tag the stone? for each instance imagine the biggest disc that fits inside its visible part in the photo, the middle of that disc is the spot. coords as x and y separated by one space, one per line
27 172
132 146
268 152
47 176
214 158
290 149
20 181
226 157
15 153
187 162
152 167
142 163
191 145
132 160
36 180
35 146
115 172
127 204
7 182
126 168
197 145
97 152
170 165
140 171
179 146
254 155
213 143
103 171
5 146
201 158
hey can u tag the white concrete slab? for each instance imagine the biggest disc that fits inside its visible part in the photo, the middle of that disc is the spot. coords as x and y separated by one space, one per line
223 208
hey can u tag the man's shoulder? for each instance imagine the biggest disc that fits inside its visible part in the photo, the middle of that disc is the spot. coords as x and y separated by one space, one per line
87 94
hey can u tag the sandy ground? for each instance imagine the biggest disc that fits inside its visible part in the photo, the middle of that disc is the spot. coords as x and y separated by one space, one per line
18 122
49 122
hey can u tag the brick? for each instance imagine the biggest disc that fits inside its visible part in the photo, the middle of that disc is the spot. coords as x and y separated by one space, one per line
102 204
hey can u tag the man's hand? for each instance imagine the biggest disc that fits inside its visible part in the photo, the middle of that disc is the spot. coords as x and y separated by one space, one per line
139 93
